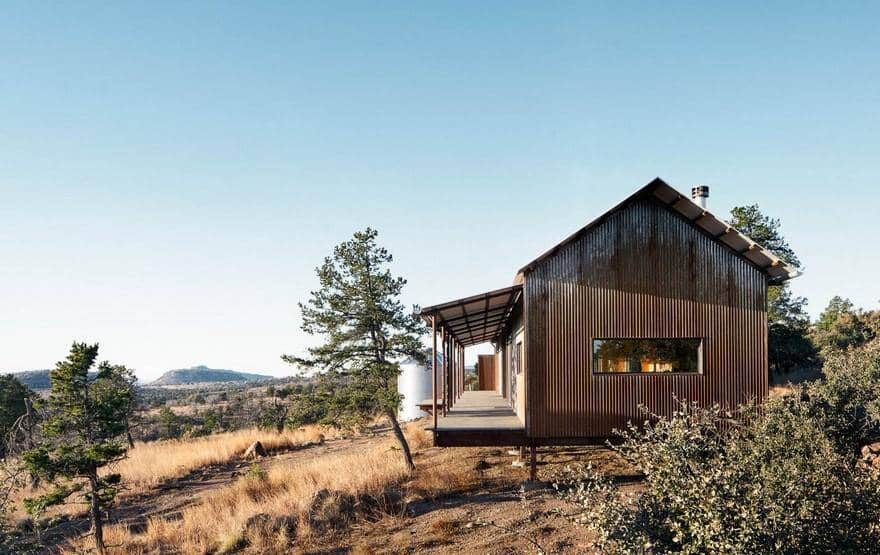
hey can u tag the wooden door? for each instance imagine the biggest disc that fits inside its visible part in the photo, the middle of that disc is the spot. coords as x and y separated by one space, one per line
486 372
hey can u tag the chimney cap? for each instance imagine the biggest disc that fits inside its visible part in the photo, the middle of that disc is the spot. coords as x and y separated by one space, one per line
700 191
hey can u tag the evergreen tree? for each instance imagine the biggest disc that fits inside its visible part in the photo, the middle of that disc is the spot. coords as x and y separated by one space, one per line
83 431
210 422
14 399
841 326
366 332
788 340
169 424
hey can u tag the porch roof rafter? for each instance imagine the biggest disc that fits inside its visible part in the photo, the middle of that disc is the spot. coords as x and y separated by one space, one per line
475 319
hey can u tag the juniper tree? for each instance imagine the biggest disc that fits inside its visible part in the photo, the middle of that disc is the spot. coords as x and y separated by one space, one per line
366 332
83 431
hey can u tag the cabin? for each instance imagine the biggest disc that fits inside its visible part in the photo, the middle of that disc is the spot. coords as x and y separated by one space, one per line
655 300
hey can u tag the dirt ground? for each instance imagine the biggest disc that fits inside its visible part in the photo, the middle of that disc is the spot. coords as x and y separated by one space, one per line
489 512
495 515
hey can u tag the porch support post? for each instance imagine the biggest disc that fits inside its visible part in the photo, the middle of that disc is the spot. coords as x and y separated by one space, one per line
443 362
452 368
434 369
533 462
457 370
461 361
450 388
460 372
461 386
447 352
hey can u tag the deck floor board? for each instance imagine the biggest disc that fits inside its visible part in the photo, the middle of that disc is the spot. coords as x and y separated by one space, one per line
480 410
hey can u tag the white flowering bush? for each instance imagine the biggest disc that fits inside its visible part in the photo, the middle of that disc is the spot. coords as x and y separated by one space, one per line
781 478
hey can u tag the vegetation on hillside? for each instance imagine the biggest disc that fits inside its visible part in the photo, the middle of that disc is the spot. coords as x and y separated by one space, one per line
203 374
34 379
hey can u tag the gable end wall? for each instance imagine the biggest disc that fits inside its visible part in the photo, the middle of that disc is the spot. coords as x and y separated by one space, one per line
643 272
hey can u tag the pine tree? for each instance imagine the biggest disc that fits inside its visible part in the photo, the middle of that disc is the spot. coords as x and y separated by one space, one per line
366 332
14 399
789 345
83 431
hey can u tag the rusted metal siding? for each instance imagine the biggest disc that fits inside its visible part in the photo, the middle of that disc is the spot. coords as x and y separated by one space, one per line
643 272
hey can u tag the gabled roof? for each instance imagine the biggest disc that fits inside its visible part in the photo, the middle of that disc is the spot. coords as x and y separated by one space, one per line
776 269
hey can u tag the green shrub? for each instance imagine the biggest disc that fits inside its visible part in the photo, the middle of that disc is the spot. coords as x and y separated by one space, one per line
847 400
781 478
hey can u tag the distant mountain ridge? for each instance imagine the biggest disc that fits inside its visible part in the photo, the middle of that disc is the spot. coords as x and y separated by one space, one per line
34 379
203 374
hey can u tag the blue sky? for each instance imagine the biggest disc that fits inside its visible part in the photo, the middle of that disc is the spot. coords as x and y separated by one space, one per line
171 173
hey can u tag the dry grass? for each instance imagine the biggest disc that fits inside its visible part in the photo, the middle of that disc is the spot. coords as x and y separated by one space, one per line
419 438
267 511
149 464
264 512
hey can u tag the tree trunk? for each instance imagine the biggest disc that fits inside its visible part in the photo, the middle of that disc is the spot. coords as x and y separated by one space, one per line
404 445
33 479
95 513
128 434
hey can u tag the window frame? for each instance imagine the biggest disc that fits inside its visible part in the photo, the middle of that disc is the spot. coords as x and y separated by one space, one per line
701 368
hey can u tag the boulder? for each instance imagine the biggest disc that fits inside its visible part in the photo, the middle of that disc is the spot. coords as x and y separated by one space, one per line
255 451
871 457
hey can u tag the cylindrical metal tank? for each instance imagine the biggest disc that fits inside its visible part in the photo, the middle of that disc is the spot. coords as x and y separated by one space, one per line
414 385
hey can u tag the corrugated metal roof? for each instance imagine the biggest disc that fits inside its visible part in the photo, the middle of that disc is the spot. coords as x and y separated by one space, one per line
476 319
774 267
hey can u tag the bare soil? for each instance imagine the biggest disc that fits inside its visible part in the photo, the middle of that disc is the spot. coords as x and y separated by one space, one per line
495 515
489 513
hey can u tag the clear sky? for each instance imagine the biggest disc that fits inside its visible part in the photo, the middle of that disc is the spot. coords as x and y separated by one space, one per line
171 173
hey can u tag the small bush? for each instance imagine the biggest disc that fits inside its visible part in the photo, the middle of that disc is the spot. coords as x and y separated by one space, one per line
779 479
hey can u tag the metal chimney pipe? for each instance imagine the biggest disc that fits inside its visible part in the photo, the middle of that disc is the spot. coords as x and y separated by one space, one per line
700 194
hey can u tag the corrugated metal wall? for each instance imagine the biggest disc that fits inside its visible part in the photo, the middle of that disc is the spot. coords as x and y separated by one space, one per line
644 272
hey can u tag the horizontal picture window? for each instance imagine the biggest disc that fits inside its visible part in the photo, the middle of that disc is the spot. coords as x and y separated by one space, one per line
647 356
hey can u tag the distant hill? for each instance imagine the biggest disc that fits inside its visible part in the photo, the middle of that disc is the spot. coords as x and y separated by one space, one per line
203 374
34 379
39 379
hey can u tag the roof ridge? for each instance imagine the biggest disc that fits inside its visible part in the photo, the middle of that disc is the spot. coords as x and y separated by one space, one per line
719 230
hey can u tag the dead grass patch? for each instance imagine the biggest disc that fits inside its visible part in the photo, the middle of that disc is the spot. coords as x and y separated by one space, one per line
448 472
261 514
297 503
149 464
418 436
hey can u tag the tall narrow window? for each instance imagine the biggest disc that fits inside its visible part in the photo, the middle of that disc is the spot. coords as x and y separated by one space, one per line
647 356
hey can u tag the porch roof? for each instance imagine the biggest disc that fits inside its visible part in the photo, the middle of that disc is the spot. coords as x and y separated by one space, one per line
476 319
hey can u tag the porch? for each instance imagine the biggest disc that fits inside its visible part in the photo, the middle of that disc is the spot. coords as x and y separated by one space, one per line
463 417
479 418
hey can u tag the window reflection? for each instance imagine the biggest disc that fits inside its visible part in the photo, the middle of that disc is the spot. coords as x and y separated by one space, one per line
647 355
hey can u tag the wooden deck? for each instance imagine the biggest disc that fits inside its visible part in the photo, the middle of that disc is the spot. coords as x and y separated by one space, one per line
479 418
